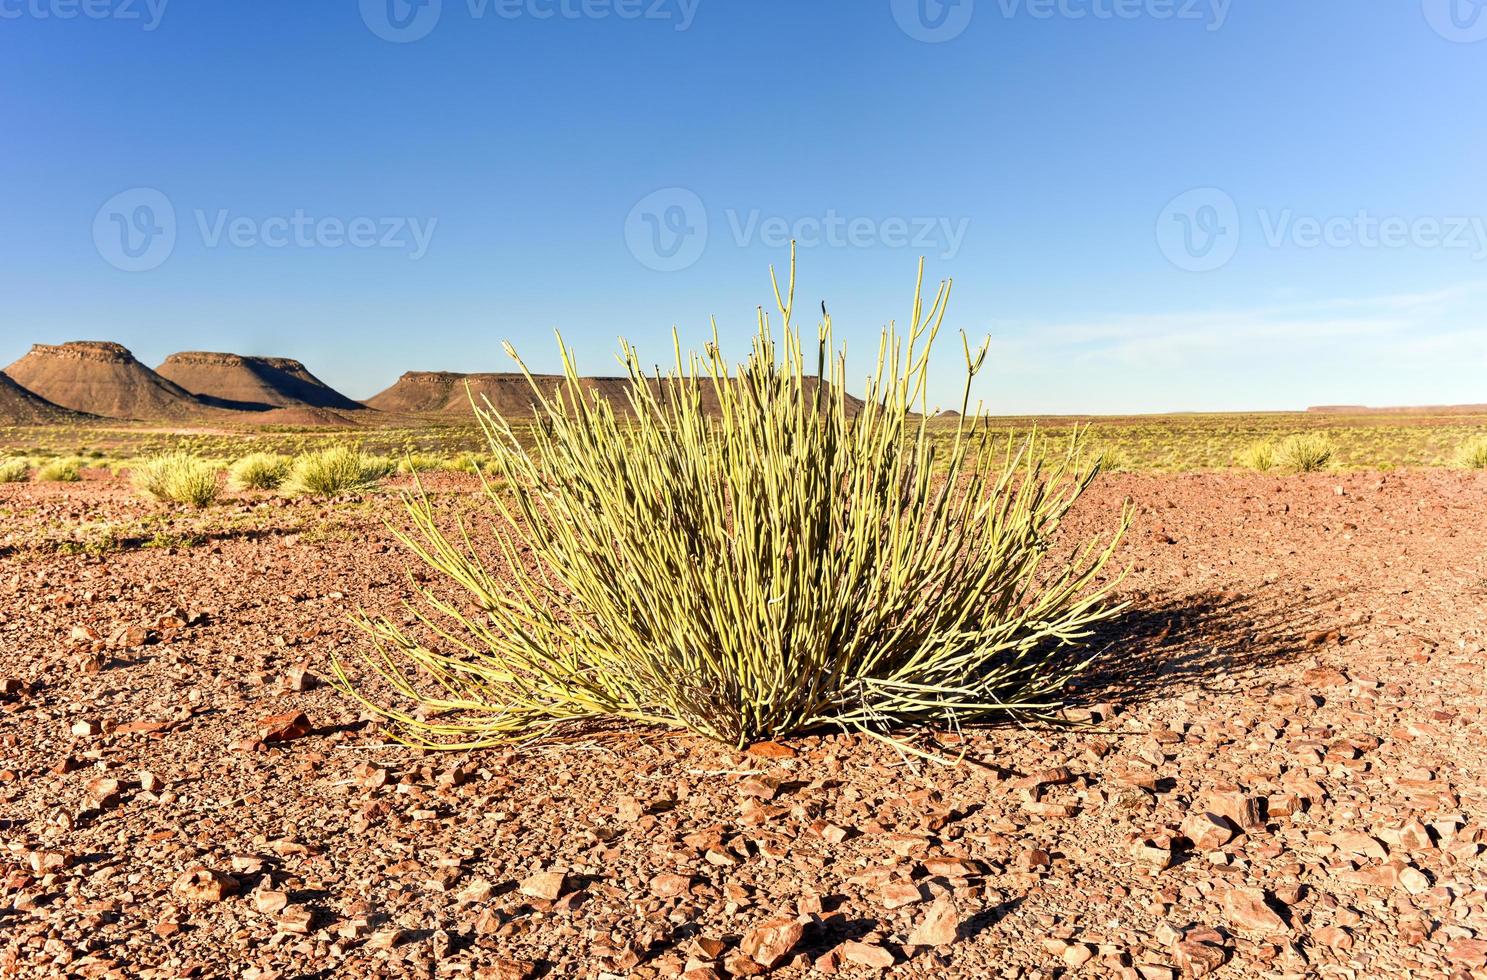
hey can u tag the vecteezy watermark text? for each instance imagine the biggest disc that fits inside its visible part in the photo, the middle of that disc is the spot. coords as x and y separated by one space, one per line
1200 230
148 13
940 235
668 230
137 231
402 21
935 21
1369 231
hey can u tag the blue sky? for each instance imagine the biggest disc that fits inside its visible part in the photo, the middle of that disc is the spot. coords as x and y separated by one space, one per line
1148 204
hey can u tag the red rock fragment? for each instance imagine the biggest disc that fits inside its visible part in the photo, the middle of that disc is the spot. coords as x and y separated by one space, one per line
1245 908
544 885
897 894
940 925
867 954
1207 831
1247 812
103 791
284 728
1056 776
771 750
1468 952
670 885
770 942
1197 958
205 886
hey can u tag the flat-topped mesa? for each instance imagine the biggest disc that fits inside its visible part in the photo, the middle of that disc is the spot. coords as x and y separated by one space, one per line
101 378
510 393
251 383
217 359
105 351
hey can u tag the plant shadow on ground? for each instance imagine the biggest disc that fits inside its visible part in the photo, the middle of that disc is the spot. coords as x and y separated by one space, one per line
1163 645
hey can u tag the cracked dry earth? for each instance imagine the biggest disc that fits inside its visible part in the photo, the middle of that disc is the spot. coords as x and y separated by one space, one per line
1281 776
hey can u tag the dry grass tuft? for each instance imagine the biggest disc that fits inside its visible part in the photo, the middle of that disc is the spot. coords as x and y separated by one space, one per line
1305 452
177 478
1473 454
15 469
334 471
60 471
259 471
1258 456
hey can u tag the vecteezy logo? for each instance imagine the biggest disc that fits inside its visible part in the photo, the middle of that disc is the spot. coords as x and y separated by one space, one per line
1199 230
401 21
135 230
667 230
1462 21
933 21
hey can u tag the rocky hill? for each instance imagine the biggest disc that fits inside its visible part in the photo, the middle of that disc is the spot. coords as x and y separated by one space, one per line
102 378
255 384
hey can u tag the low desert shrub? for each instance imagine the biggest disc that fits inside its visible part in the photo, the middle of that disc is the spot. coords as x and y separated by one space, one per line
15 469
795 560
1473 454
466 463
60 471
1113 459
334 471
1305 452
1258 456
259 471
419 463
177 478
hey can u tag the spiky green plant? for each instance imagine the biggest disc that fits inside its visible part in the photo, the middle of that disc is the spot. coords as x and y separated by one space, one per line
1305 452
177 478
1111 459
1258 456
334 471
1473 453
259 471
15 469
795 561
60 471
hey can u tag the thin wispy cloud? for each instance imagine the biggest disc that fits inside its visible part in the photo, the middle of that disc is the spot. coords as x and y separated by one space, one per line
1117 362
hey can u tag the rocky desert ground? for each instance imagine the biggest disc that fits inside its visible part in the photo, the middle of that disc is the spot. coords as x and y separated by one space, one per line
1274 771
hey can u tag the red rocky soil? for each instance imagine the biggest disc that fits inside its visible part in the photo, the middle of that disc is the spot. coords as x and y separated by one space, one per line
1282 774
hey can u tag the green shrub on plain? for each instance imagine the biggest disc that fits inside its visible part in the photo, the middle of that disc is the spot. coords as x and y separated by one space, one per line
334 471
1473 453
15 469
788 563
1305 452
60 471
177 478
1258 456
259 471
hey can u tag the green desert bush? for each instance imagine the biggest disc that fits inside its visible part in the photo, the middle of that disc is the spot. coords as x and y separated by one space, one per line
466 463
1112 459
15 469
259 471
1473 454
60 471
177 478
1258 456
334 471
787 563
1305 452
419 463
